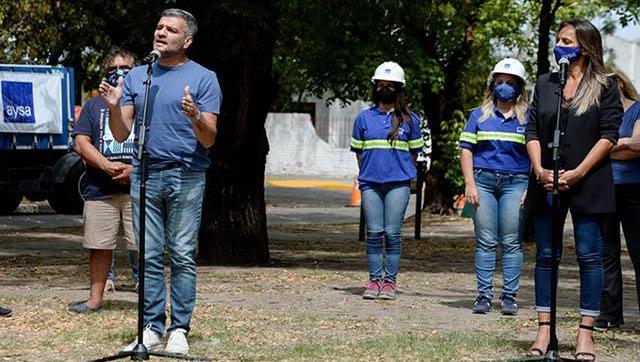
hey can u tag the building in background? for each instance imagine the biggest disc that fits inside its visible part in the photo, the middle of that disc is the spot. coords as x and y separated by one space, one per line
625 55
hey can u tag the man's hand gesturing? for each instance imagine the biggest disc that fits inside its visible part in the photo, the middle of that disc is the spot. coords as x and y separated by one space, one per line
110 94
189 107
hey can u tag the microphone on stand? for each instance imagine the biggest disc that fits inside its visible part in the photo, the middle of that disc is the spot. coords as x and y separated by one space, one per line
564 69
151 57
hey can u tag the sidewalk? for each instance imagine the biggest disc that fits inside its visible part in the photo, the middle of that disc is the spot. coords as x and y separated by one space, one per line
314 201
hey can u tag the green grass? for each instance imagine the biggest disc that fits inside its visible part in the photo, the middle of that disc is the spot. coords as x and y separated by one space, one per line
423 346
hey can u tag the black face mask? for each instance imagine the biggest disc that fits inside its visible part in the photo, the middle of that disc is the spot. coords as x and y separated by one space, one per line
386 95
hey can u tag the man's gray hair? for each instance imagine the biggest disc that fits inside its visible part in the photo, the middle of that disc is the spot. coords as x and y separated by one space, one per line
190 20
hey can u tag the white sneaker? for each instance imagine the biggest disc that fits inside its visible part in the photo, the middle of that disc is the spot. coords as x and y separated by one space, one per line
150 339
177 342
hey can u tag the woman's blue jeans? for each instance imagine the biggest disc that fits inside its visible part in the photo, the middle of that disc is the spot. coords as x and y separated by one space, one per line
498 221
384 207
588 231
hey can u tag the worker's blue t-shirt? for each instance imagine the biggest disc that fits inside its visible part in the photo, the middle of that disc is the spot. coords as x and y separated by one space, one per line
170 136
627 171
94 123
497 143
383 160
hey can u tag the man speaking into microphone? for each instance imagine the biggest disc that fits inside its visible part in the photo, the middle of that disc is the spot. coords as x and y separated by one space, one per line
184 101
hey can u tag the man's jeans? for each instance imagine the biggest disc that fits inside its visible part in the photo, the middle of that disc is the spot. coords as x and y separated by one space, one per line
174 205
588 232
133 261
384 207
498 220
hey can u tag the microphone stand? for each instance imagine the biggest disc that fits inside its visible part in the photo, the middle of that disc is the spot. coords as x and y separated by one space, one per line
140 352
556 231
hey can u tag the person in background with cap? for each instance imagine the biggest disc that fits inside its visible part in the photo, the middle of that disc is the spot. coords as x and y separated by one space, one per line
386 139
496 169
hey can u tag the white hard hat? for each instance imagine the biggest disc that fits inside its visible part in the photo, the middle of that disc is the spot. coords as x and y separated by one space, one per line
390 71
509 66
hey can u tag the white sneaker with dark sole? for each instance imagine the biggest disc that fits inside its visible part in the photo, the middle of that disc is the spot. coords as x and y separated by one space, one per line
177 343
150 339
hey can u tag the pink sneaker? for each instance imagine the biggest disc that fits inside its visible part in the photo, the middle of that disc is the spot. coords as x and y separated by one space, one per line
388 290
372 290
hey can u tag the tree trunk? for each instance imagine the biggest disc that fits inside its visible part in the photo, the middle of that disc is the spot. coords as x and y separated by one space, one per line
440 107
237 41
547 17
434 105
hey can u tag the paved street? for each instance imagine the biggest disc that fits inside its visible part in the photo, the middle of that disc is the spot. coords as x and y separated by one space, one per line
285 205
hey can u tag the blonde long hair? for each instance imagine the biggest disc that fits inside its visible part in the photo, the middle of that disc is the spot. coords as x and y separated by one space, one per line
521 104
596 72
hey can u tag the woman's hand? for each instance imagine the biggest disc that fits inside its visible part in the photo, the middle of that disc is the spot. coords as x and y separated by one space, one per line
471 194
566 179
544 176
570 178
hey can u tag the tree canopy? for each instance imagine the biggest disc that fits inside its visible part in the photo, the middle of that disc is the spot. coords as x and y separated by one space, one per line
446 48
267 53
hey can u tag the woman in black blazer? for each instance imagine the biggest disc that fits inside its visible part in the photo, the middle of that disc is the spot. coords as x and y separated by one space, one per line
591 113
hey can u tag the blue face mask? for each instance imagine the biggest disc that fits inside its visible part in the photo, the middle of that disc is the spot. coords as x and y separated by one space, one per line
571 53
505 92
112 78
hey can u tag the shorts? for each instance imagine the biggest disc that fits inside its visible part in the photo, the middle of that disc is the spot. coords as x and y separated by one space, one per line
108 220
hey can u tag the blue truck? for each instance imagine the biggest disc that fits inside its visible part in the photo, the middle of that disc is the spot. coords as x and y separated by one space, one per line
37 160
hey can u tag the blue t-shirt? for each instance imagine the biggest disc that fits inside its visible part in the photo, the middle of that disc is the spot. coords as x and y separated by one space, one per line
497 144
381 160
94 123
627 171
170 136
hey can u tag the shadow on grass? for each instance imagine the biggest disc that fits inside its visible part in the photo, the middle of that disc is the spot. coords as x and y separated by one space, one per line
332 248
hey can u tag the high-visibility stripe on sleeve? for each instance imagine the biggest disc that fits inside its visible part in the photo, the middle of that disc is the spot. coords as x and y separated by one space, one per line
357 144
500 136
385 144
417 143
469 137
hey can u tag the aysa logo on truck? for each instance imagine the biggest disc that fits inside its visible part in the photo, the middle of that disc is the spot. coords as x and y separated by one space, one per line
17 102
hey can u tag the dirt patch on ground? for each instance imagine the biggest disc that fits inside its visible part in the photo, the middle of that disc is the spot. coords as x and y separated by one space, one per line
305 305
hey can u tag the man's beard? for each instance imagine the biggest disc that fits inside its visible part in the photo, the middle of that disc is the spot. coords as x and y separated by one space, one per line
169 53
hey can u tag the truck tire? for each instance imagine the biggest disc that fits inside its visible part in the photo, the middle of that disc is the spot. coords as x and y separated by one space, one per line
9 202
66 197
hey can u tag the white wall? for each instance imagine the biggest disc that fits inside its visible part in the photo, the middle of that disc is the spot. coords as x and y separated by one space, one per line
626 56
296 150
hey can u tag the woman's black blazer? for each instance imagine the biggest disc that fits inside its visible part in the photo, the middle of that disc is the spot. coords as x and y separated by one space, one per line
595 192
